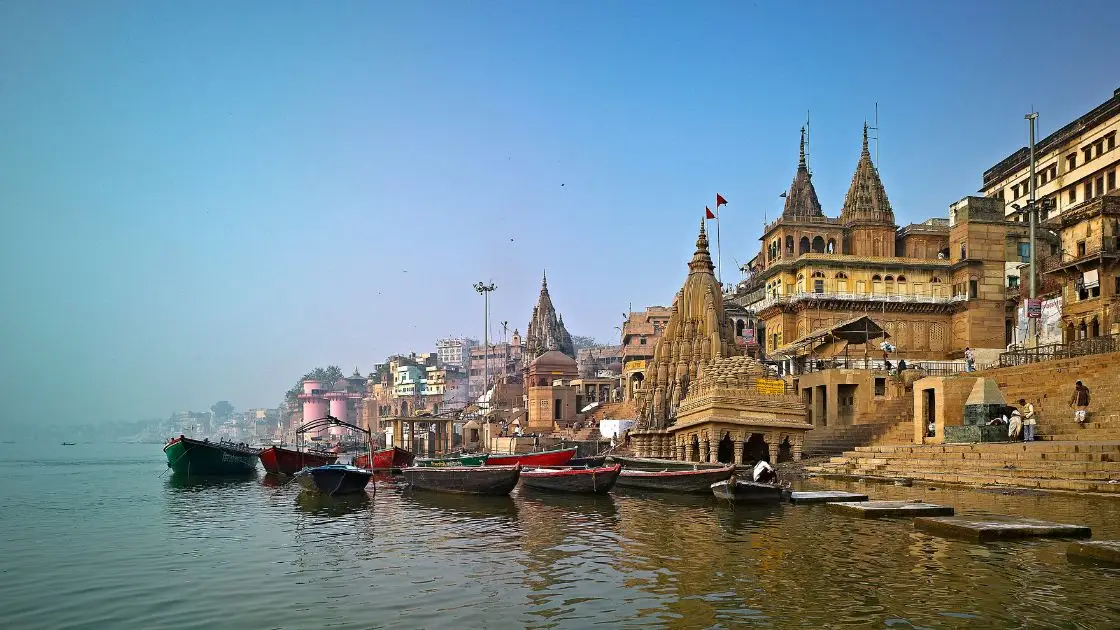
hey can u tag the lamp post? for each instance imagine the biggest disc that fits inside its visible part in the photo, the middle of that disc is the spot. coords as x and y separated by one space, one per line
1032 210
484 290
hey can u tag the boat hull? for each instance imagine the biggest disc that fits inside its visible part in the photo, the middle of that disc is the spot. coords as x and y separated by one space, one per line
190 457
740 491
288 462
393 458
453 462
490 480
581 480
595 461
559 457
334 480
642 463
688 481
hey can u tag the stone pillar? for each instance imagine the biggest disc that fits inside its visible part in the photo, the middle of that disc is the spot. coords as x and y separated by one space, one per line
738 451
704 449
682 450
772 445
795 442
713 450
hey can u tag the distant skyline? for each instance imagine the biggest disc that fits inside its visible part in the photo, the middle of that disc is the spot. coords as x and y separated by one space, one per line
203 201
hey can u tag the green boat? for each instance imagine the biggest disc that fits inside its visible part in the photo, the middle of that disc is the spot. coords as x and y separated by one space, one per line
461 460
190 457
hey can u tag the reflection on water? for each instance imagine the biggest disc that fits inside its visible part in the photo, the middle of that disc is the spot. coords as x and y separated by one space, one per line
198 483
127 547
321 504
275 480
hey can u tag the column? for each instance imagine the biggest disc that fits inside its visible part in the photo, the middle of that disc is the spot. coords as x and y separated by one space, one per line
795 442
681 450
705 450
772 445
713 450
738 459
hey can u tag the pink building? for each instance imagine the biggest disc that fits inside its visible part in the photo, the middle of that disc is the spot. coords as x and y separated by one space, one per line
314 406
339 409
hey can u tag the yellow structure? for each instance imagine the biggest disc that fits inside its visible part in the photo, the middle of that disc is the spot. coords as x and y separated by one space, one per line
552 398
703 400
1087 268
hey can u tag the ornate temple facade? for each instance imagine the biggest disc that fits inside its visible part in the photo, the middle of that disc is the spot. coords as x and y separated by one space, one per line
546 329
703 399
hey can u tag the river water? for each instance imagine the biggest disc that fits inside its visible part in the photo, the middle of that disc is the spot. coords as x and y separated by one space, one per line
96 536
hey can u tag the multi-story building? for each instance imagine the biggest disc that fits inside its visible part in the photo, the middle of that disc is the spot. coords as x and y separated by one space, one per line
598 359
1086 268
1075 164
500 362
640 333
455 352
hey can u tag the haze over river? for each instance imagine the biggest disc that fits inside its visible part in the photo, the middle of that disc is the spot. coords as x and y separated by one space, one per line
98 536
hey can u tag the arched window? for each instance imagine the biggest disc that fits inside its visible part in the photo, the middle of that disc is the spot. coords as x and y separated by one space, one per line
901 279
876 278
831 247
841 275
818 274
818 245
935 280
739 325
789 244
889 278
803 245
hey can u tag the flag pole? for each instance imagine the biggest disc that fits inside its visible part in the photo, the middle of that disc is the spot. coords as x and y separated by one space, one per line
719 255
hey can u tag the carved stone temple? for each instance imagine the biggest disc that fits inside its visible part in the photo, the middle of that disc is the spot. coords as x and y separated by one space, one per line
705 401
546 331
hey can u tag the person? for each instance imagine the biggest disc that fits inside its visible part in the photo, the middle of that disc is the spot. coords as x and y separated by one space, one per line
969 360
901 366
1080 402
1030 419
764 473
932 429
1014 425
887 365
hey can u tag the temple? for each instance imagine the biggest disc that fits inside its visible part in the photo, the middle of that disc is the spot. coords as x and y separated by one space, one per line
704 400
546 330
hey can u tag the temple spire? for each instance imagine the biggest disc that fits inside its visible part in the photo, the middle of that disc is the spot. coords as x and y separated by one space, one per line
865 151
801 161
544 280
702 259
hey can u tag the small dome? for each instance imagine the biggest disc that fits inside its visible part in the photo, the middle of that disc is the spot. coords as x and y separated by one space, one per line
554 359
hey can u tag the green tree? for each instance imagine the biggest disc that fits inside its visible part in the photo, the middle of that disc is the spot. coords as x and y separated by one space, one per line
222 409
328 376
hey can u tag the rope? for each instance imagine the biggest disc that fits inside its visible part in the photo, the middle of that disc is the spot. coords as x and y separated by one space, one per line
172 464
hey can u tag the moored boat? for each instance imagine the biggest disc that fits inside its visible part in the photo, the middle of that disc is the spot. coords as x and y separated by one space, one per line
497 480
187 456
286 461
334 479
392 458
456 461
644 463
595 461
583 480
559 457
691 481
742 491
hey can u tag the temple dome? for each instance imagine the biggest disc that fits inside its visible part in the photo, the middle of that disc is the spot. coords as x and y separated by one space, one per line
866 201
553 359
801 200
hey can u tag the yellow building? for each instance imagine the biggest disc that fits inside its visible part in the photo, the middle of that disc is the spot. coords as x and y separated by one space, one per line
1076 163
1087 268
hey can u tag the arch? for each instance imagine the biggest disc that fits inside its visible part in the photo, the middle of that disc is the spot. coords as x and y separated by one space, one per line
876 278
1071 334
726 451
902 278
756 449
831 246
739 326
889 278
818 274
935 280
404 408
785 451
818 245
840 275
803 245
789 244
1081 330
1095 328
694 449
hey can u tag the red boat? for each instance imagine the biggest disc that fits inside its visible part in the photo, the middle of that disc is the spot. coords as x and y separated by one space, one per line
543 458
289 462
393 458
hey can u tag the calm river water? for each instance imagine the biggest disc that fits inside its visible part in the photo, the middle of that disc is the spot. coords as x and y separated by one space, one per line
95 536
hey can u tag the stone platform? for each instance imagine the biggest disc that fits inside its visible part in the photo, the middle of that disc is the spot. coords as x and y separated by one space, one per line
891 509
1102 550
989 528
825 496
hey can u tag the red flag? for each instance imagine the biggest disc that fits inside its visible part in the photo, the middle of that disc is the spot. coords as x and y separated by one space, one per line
710 215
720 201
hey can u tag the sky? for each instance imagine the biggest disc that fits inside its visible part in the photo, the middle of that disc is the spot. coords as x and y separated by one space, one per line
203 201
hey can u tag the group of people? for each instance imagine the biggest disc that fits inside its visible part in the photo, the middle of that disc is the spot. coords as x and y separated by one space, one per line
1020 424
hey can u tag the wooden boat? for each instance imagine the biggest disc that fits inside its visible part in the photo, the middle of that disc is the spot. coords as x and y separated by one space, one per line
595 461
643 463
457 461
334 479
286 461
497 480
559 457
584 480
743 491
69 443
187 456
692 481
392 458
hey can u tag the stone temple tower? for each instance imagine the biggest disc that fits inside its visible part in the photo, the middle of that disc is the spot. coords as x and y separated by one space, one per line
546 329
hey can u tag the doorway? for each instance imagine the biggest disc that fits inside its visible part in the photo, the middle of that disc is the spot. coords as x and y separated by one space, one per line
846 403
756 449
929 411
726 451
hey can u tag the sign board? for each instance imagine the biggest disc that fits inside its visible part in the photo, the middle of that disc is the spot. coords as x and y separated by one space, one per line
770 386
635 366
1034 309
748 335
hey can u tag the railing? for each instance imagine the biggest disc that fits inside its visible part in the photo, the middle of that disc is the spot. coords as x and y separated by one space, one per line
1095 247
1055 351
803 219
898 298
929 368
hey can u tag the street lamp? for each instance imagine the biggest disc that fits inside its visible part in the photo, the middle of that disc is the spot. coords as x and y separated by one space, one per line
484 290
1032 322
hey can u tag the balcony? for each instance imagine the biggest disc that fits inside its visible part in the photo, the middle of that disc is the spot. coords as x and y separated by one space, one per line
1093 248
895 298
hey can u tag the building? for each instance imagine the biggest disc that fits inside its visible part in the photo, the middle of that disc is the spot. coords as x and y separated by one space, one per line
1075 164
546 331
552 399
501 362
599 360
1086 268
455 352
640 333
935 287
704 400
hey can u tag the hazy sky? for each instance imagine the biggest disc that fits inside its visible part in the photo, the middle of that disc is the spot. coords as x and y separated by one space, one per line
203 200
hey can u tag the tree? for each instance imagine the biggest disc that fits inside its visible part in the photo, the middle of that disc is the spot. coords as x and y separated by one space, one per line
222 409
326 376
580 342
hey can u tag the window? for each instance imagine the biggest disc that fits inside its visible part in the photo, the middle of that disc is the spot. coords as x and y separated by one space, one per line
841 275
1073 194
1110 141
973 285
876 278
1080 248
935 280
1089 189
1112 180
1024 252
902 278
1071 161
818 286
1015 191
642 341
1087 153
880 386
1012 282
1100 185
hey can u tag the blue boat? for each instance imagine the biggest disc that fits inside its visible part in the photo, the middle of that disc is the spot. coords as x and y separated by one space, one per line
334 479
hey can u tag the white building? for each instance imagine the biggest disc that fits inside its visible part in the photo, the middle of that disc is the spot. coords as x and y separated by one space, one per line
455 352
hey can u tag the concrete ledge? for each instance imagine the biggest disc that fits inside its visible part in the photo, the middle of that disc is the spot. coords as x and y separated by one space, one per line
1100 550
825 496
891 509
988 528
